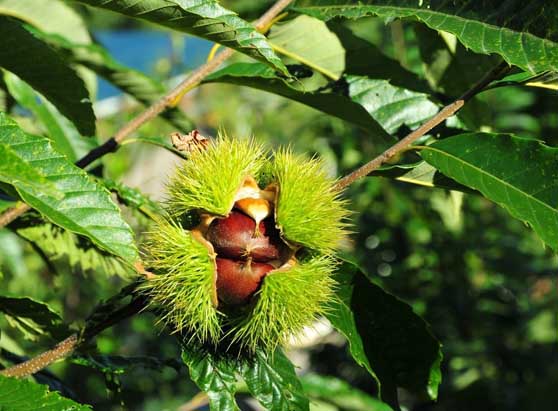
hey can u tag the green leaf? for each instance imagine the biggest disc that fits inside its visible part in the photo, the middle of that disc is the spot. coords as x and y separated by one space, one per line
33 318
15 170
28 57
523 36
310 42
50 16
386 336
261 77
273 382
338 392
202 18
23 395
143 88
214 376
517 173
64 136
85 208
391 106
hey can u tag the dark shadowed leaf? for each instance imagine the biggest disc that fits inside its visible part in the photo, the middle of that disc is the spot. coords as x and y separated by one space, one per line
33 318
84 208
386 336
119 365
23 395
273 382
28 57
363 58
214 376
203 18
524 35
519 174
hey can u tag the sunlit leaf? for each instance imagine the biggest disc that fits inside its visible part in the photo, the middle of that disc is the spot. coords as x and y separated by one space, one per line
523 36
519 174
84 208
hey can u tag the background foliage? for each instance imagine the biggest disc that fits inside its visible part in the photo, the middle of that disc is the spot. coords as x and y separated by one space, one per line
453 241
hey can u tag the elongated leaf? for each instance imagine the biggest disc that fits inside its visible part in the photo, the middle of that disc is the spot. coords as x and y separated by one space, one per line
519 174
85 208
273 382
261 77
338 392
386 334
64 136
310 42
214 376
524 36
31 59
32 317
23 395
203 18
143 88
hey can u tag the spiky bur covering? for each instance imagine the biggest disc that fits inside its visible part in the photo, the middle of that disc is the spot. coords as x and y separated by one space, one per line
287 301
185 286
292 287
309 210
210 179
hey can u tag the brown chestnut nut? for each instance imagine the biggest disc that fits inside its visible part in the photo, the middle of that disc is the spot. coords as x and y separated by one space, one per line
236 237
237 281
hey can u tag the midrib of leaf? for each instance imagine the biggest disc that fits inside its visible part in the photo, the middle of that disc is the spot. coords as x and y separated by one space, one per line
503 182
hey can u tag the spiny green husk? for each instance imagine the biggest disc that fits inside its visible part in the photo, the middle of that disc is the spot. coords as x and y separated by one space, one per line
185 283
287 301
309 212
210 178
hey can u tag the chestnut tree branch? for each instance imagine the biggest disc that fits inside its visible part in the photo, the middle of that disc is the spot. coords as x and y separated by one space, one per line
171 99
446 112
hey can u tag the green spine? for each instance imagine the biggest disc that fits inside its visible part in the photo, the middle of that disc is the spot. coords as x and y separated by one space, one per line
309 211
185 284
210 178
287 301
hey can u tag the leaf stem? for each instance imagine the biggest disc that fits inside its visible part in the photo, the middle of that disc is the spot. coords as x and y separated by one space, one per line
171 99
446 112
